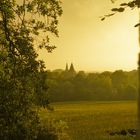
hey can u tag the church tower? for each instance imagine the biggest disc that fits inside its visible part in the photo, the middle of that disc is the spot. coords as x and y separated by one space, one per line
69 71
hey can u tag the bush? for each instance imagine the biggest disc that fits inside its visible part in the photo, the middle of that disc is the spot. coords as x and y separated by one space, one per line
52 130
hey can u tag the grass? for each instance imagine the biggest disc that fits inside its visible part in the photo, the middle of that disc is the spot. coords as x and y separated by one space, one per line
92 120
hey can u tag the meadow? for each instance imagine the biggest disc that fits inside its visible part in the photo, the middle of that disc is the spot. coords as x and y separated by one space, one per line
95 120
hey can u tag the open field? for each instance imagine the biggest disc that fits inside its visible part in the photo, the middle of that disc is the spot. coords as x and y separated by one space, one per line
93 120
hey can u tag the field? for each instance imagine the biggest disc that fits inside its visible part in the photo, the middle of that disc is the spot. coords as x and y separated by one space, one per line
95 120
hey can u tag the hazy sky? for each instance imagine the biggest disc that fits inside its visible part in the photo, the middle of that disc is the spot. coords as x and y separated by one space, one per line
91 44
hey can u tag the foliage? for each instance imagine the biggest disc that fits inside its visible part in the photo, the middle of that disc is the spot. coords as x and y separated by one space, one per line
41 96
118 85
52 130
131 4
22 24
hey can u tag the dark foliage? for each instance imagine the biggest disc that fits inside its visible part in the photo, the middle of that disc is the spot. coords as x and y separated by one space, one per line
123 6
118 85
21 73
123 132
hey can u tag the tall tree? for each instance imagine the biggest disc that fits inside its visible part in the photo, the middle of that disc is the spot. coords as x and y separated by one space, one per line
25 26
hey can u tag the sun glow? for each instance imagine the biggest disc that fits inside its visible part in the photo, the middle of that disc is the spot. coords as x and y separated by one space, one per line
93 45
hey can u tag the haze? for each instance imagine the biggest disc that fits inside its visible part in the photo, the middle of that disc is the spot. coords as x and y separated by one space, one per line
92 44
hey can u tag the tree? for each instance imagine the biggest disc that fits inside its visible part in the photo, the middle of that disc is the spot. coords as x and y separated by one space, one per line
22 24
130 92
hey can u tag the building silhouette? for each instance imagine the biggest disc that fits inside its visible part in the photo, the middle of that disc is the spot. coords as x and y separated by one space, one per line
66 69
70 71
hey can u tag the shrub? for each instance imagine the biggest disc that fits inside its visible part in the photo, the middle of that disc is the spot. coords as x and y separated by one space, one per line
52 130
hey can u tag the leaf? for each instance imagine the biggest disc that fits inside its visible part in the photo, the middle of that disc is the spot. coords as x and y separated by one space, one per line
117 9
123 4
131 4
120 9
114 9
137 25
102 18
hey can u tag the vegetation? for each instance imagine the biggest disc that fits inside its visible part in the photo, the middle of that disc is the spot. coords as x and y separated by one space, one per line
25 26
123 6
72 86
21 84
95 120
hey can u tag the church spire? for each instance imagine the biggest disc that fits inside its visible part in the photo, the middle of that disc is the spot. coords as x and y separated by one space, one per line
66 69
72 68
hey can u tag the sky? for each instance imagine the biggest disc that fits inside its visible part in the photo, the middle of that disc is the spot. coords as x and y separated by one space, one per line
91 44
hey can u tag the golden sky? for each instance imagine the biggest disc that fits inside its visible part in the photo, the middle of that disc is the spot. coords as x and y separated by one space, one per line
91 44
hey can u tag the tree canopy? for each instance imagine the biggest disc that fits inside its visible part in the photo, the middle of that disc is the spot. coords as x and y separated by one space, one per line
105 86
25 26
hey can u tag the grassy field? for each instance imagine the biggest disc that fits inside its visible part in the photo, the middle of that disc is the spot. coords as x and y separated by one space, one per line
93 120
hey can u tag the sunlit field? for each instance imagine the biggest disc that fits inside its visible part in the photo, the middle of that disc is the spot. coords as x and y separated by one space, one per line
95 120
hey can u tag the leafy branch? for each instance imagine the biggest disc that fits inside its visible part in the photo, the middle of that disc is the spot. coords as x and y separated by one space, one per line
123 6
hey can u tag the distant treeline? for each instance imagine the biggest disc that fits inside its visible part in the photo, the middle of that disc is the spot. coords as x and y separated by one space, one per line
67 86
